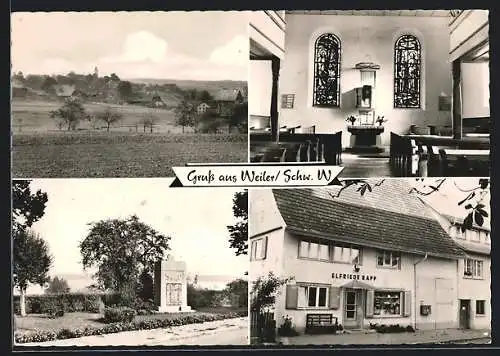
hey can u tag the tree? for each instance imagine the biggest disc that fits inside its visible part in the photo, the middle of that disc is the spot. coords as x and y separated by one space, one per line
209 122
474 198
70 114
205 96
31 262
121 249
109 117
239 117
149 120
238 232
57 286
30 254
48 85
27 208
185 115
238 287
145 288
113 77
264 291
125 90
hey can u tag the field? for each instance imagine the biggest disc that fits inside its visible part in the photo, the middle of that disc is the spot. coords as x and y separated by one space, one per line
34 116
90 154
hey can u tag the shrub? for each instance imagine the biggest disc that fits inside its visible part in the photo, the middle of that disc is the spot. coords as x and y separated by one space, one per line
118 314
390 329
287 329
42 336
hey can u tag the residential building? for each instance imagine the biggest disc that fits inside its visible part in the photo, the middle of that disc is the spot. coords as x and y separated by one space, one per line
202 108
378 258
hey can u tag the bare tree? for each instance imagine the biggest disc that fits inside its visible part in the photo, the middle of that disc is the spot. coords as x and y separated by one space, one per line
149 120
109 117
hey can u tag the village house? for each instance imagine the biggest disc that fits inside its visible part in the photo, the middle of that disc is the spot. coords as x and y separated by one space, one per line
379 258
400 85
158 102
64 91
225 100
202 108
19 90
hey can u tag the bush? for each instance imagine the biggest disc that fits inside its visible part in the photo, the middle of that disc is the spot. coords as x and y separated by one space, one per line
391 329
42 336
287 329
73 302
119 314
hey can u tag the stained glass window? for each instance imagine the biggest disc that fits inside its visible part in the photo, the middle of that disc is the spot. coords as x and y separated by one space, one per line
407 60
326 86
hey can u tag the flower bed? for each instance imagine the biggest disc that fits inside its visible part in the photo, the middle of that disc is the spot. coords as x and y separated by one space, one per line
42 336
391 329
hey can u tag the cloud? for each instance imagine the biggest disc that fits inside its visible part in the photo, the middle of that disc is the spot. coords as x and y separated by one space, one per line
139 47
235 52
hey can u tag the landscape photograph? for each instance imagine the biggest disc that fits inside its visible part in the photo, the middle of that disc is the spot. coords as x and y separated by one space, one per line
132 270
127 94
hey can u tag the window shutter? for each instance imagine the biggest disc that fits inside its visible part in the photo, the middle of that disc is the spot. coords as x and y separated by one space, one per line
407 301
370 294
264 254
334 302
292 294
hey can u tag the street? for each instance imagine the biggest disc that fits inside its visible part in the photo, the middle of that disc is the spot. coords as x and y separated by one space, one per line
221 332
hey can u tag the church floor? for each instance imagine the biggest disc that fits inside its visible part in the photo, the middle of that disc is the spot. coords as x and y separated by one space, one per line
365 165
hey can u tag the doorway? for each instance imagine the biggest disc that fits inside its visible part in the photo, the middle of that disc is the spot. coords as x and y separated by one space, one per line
353 309
464 319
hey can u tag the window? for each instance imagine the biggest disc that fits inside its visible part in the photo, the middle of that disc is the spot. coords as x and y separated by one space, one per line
326 85
388 259
475 235
460 235
258 249
473 268
480 307
314 250
407 55
487 237
346 254
313 297
387 303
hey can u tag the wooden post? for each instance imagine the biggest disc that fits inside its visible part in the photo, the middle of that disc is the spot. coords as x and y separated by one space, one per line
457 100
275 66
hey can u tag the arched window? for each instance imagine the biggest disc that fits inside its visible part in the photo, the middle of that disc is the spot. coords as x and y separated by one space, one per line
407 61
326 86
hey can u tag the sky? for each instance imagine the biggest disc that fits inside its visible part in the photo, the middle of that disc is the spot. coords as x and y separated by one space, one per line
198 45
196 219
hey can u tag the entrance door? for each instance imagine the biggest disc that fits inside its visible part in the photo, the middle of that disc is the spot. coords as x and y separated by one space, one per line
464 321
353 308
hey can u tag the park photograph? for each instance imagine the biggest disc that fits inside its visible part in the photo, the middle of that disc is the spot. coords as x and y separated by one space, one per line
128 262
127 94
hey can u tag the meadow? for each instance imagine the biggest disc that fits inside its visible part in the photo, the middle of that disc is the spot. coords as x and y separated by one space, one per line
40 150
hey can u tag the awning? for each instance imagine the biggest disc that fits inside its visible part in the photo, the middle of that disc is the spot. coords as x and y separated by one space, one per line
355 284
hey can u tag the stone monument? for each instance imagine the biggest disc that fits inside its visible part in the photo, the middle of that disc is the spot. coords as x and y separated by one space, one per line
170 286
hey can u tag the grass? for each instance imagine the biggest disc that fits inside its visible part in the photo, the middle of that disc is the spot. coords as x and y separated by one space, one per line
71 321
88 154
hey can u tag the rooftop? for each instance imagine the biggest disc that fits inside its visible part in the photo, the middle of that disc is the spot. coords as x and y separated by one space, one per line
385 217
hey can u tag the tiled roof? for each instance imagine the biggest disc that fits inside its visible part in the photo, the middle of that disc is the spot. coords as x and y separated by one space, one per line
226 95
460 220
398 221
479 248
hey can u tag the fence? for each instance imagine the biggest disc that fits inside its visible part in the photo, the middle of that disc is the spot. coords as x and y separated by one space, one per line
262 327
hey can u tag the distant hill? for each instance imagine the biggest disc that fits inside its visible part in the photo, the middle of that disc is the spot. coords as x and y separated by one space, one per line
211 86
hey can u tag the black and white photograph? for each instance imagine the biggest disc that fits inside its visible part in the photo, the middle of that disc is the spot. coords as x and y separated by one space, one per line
128 262
374 261
382 93
127 94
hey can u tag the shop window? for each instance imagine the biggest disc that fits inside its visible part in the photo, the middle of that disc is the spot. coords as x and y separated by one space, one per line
312 297
388 259
258 249
473 268
387 303
480 307
314 250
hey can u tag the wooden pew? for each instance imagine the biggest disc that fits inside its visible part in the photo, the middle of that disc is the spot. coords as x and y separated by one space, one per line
419 155
300 147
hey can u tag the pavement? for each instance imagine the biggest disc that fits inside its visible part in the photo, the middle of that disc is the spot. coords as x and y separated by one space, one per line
448 336
220 332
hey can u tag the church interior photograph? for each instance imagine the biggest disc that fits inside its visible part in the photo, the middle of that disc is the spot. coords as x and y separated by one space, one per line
399 93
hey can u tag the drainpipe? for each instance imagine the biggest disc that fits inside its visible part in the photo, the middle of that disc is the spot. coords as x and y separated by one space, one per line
415 288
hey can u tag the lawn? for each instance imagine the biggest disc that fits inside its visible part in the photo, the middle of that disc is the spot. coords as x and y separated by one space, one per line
78 320
88 154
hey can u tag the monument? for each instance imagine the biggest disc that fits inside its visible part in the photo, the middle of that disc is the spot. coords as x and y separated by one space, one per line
170 286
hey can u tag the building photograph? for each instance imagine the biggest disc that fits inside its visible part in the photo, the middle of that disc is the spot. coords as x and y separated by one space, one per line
374 262
383 93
